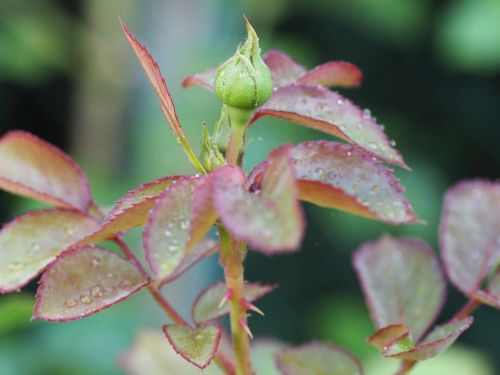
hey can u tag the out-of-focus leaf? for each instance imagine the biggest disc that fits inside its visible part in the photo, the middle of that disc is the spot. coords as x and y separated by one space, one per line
206 306
84 281
34 168
317 359
402 283
469 232
270 221
168 232
333 73
15 312
197 346
284 69
387 335
152 355
204 79
321 109
347 177
32 241
491 295
436 342
131 210
263 353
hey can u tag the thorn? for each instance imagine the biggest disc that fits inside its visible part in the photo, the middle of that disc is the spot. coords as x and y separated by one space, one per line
244 325
226 297
250 306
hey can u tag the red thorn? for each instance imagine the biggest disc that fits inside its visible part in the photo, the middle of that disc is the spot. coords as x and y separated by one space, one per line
250 306
244 325
227 296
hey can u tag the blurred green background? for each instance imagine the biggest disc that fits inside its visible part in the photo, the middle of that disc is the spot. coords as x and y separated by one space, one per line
431 76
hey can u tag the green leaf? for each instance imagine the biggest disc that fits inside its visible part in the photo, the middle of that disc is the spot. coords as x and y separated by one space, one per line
263 353
402 283
197 346
317 359
32 241
206 306
270 221
36 169
84 281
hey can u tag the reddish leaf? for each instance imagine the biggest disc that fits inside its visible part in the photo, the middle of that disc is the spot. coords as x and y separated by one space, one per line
491 296
346 177
84 281
440 339
206 306
154 74
469 232
284 69
270 221
32 241
204 79
34 168
197 346
168 232
402 283
333 73
318 359
131 210
321 109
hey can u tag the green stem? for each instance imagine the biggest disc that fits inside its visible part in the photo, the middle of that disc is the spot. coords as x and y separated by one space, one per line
231 255
239 120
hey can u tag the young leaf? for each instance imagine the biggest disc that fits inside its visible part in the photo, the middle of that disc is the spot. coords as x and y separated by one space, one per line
84 281
317 359
469 232
32 241
131 210
333 73
387 335
402 283
346 177
206 306
36 169
270 221
204 79
436 342
197 346
321 109
284 69
491 296
167 235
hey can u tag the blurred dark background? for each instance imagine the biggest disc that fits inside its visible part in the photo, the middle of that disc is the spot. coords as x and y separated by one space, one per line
431 76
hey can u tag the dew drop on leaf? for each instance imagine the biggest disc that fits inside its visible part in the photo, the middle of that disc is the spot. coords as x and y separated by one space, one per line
86 299
96 291
71 303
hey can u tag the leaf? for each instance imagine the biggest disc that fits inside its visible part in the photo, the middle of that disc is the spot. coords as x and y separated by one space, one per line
206 306
270 221
346 177
204 79
402 283
36 169
167 235
197 346
84 281
152 355
321 109
440 339
263 353
32 241
491 296
153 72
131 210
333 73
284 69
317 359
387 335
469 232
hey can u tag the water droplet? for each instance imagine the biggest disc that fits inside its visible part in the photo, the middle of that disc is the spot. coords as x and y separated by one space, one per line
110 275
367 113
172 248
184 224
199 336
69 231
86 299
372 145
71 302
260 139
96 291
392 143
15 266
320 172
340 101
168 233
95 261
349 153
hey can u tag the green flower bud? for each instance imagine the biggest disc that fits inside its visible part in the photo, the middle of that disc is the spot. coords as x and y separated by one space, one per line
244 81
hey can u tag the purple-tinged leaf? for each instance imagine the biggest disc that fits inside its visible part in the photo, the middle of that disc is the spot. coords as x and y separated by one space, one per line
204 79
32 241
167 234
84 281
131 210
437 341
347 177
36 169
491 296
402 283
321 109
270 221
152 355
197 346
387 335
469 232
333 73
284 70
206 306
318 359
